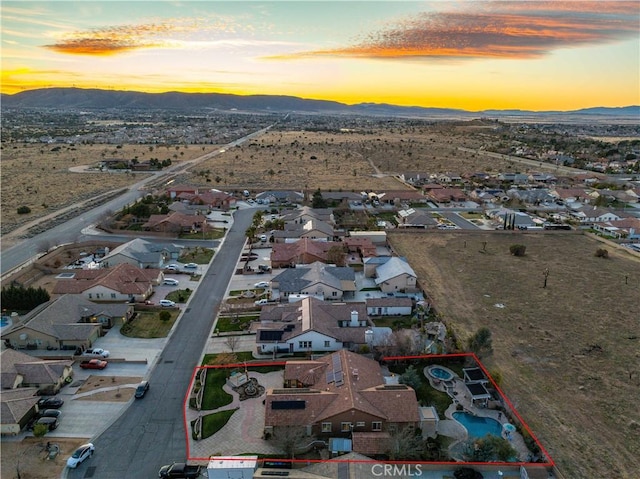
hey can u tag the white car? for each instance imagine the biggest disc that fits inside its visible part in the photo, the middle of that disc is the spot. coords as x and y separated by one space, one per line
96 353
171 282
167 303
261 284
80 455
191 266
172 267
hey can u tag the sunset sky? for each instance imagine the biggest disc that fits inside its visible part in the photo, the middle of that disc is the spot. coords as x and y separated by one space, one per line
473 55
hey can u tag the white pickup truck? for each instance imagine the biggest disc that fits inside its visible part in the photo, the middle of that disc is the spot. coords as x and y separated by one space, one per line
96 353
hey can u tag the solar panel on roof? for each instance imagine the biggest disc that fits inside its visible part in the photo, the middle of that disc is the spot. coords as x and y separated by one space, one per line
286 405
330 377
339 377
337 363
269 335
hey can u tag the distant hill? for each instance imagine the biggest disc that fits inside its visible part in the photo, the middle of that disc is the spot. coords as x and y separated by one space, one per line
77 98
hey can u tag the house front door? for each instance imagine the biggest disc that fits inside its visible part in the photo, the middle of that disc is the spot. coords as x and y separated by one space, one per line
290 347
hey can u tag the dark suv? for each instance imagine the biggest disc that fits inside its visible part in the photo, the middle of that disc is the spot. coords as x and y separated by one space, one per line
142 389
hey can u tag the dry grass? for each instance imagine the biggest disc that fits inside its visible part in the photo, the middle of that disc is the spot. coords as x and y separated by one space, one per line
568 353
35 176
121 394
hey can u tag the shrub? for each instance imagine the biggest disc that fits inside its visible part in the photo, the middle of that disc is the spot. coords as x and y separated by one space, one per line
24 210
517 249
164 316
602 253
40 430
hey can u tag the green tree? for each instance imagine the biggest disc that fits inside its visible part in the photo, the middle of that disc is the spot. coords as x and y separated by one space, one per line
23 210
21 298
481 343
164 316
40 430
489 448
411 377
317 200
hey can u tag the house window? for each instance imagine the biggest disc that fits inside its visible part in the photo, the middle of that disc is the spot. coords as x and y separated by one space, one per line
393 428
334 293
345 426
89 295
360 424
327 344
304 344
376 425
113 295
326 427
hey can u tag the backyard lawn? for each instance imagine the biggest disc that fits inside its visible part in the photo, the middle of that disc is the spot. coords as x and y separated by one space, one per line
212 423
147 324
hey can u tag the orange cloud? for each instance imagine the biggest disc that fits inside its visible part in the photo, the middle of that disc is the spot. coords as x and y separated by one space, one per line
496 30
113 40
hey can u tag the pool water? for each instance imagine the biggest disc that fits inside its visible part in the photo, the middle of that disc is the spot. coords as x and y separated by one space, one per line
478 427
440 374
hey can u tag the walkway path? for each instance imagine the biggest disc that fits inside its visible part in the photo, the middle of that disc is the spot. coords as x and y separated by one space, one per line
243 432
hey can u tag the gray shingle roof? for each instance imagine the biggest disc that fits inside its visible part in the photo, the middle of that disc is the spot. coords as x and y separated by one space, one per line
392 269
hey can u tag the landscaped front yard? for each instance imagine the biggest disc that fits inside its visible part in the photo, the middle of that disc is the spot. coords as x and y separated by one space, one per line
147 324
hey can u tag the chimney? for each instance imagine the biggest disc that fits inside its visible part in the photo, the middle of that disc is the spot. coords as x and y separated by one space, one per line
354 320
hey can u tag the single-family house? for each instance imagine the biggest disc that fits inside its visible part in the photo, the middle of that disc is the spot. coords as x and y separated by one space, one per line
312 229
625 228
396 197
68 323
593 214
176 222
177 190
280 197
447 195
17 408
213 199
141 253
362 246
304 214
342 395
317 279
307 251
123 282
412 218
389 306
312 325
19 370
395 275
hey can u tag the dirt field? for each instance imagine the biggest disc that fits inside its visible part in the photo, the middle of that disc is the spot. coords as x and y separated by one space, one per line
568 353
348 162
36 176
122 394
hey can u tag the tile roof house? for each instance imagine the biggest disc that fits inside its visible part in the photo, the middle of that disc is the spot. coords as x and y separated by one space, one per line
18 370
312 229
305 213
396 275
313 325
363 246
123 282
412 218
303 251
67 323
141 253
628 228
341 395
447 195
281 196
175 222
17 407
317 279
594 214
211 198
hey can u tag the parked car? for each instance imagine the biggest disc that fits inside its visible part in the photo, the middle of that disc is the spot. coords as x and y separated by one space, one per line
80 455
50 403
50 413
51 422
264 301
93 364
262 284
171 282
167 303
142 389
96 353
172 267
191 265
180 470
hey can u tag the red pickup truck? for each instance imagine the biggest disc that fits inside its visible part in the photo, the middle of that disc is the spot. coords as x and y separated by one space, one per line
93 364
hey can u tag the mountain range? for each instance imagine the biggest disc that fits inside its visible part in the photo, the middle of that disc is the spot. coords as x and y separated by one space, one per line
78 98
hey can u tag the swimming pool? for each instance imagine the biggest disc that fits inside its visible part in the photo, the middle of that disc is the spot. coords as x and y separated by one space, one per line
441 373
478 427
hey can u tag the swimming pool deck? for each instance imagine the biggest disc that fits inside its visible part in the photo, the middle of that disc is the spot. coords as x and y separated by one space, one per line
460 395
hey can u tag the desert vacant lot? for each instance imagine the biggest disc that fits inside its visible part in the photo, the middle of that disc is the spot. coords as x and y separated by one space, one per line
569 353
38 176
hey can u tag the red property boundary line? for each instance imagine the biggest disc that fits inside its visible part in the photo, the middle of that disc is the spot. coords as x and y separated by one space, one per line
549 463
